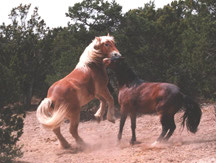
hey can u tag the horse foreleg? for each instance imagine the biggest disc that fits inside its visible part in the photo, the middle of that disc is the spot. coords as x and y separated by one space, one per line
133 128
111 111
101 111
106 96
122 122
63 142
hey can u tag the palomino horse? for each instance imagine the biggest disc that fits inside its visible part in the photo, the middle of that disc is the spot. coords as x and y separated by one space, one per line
164 99
87 81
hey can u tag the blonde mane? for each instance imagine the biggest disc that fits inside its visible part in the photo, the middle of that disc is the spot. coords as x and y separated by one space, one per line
90 54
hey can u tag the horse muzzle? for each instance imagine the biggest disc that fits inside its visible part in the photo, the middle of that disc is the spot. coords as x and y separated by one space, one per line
115 54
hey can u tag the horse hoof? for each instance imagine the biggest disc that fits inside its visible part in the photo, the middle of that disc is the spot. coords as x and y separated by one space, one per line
137 142
98 119
134 142
82 145
131 142
65 146
111 119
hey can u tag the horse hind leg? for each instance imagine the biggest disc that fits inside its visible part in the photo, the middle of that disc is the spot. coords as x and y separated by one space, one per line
168 125
74 122
74 133
163 120
163 133
172 127
62 141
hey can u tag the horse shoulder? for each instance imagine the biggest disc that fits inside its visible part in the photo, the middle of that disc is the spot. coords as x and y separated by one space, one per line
83 80
100 74
78 76
126 96
100 79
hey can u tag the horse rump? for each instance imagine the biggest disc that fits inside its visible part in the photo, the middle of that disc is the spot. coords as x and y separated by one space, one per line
192 114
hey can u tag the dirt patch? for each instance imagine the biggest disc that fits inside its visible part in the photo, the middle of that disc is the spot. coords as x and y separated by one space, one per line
41 146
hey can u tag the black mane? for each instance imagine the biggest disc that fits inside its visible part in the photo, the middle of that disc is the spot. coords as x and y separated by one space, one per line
125 75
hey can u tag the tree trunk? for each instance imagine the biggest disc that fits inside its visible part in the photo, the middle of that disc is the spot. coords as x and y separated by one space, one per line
28 96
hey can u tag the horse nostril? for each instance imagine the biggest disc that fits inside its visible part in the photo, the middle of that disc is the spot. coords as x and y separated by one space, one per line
116 54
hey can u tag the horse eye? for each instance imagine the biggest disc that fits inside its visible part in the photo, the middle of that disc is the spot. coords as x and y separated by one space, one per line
106 45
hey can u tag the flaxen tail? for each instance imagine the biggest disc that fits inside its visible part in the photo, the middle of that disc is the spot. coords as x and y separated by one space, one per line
50 117
192 114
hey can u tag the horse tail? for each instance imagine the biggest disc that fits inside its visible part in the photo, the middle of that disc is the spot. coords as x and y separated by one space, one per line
192 114
51 117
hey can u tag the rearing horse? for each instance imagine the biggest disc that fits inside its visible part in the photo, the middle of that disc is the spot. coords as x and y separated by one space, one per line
87 81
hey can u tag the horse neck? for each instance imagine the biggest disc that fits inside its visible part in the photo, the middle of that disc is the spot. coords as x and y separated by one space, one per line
90 61
125 75
90 58
92 71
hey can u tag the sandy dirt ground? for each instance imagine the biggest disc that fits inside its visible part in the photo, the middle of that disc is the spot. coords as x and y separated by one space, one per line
41 146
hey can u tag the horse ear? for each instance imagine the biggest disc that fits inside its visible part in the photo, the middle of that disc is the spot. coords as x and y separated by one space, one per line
97 42
98 39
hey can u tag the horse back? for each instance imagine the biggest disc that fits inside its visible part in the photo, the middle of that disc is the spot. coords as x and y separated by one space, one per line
147 97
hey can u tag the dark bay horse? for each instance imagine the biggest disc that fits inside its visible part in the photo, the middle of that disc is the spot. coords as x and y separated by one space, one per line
137 96
87 81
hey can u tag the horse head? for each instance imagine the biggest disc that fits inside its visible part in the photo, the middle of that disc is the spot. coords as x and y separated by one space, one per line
100 48
105 45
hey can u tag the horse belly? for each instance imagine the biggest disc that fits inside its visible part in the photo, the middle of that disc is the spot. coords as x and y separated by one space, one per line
84 97
146 106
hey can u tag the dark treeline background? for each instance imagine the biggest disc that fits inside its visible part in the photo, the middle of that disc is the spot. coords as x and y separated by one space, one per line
176 44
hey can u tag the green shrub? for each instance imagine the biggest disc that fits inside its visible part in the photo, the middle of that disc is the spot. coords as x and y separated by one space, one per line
11 128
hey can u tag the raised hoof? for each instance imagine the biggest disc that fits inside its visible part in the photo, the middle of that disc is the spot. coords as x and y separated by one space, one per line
98 119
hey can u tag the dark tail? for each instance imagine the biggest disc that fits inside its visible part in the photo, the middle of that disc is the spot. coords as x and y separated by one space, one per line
192 114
